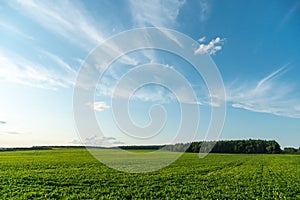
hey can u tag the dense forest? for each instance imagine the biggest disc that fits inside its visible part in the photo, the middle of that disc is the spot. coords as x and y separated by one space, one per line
226 146
291 150
229 146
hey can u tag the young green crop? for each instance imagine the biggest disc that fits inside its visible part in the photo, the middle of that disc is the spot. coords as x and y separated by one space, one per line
75 174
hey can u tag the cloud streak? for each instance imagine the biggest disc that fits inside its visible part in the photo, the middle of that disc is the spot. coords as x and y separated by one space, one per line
64 18
70 20
150 92
65 66
156 13
290 14
204 10
268 95
271 76
14 29
13 133
16 69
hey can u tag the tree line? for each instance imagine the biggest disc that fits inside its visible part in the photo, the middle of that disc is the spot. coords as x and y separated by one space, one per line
229 146
291 150
225 146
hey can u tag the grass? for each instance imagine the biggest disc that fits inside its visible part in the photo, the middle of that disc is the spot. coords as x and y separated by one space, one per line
75 174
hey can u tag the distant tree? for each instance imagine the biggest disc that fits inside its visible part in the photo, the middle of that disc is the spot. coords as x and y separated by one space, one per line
273 147
290 150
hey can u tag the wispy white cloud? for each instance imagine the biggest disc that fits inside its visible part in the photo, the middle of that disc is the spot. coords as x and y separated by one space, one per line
150 92
60 62
65 18
211 48
157 13
154 94
70 20
271 76
98 141
204 10
14 29
98 106
13 133
16 69
268 95
202 39
290 13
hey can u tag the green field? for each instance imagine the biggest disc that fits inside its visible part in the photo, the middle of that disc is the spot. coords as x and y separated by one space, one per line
75 174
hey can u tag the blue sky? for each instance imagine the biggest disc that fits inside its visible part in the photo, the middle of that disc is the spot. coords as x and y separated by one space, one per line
255 45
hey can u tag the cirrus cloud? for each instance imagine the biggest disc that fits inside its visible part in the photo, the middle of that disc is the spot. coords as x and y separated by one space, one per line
268 95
